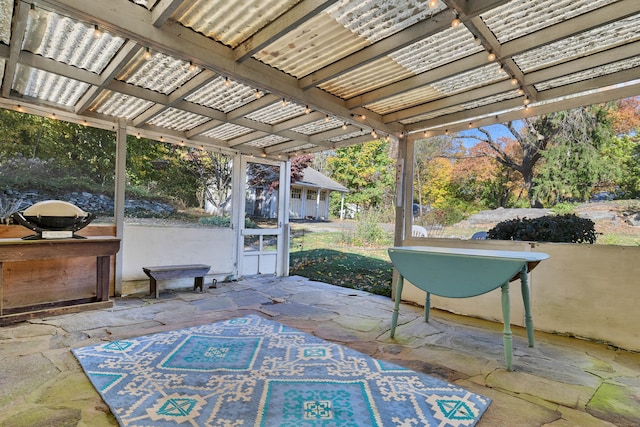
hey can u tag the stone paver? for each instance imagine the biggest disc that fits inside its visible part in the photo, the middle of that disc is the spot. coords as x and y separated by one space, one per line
561 382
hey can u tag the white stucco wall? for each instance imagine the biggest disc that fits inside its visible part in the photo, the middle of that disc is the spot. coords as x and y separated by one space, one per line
144 246
590 291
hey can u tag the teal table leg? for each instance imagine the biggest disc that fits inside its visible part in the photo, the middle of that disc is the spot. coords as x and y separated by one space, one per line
396 307
507 338
427 307
528 320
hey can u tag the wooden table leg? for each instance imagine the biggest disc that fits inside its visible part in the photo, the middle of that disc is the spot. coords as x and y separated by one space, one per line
153 287
102 277
528 320
507 338
396 307
427 307
197 283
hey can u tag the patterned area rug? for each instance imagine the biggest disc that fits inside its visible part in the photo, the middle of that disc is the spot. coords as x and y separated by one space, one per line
250 371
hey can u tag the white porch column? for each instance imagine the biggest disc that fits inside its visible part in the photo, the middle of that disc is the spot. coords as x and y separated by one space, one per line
285 181
237 212
318 203
118 197
404 197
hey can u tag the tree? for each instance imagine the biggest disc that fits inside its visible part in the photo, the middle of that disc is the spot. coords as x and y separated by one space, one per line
214 173
425 151
366 170
531 141
575 164
544 142
481 178
625 146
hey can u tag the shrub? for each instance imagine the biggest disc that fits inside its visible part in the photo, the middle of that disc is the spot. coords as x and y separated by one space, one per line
225 221
568 228
368 230
564 208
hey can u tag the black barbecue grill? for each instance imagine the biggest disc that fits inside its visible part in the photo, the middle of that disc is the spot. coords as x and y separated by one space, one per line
53 219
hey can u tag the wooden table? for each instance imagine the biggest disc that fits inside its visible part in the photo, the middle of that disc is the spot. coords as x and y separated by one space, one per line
52 276
462 273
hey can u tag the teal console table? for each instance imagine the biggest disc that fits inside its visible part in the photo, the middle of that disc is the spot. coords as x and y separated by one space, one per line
462 273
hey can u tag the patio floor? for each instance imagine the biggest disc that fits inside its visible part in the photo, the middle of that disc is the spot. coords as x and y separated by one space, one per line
561 382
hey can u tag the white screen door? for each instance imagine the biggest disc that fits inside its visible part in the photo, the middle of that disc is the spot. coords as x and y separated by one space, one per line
262 236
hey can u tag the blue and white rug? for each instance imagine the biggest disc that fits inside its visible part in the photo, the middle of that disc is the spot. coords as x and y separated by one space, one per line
250 371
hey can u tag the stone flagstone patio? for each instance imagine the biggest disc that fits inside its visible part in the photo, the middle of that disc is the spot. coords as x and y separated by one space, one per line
561 382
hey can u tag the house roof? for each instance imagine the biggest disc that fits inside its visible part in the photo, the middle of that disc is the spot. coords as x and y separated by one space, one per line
282 77
315 179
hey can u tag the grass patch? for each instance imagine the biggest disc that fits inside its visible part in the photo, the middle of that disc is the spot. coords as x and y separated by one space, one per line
355 267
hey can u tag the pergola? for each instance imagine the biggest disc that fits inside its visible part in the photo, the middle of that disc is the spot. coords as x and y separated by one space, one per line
283 77
279 78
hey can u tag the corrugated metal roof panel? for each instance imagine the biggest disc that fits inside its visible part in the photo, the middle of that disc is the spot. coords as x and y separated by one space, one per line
521 17
230 22
178 120
460 107
69 41
267 141
377 19
276 113
439 89
161 73
427 54
223 97
120 105
318 126
148 4
405 100
227 131
433 114
300 148
346 136
364 79
579 45
5 21
589 74
47 86
344 28
437 50
300 53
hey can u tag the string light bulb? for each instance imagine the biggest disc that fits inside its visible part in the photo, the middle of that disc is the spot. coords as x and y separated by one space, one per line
514 81
33 12
97 33
326 118
527 101
258 94
283 103
433 4
147 54
227 82
307 110
456 22
344 126
192 67
491 56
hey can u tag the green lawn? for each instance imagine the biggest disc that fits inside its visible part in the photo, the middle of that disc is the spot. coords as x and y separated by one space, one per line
323 256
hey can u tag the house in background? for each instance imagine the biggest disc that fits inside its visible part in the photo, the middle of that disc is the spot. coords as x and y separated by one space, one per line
310 196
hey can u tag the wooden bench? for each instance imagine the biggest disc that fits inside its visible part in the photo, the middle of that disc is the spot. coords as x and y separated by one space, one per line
198 271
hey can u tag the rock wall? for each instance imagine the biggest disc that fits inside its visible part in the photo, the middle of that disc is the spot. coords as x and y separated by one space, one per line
98 204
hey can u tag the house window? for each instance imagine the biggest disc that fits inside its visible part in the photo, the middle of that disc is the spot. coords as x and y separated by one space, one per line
296 193
323 196
312 194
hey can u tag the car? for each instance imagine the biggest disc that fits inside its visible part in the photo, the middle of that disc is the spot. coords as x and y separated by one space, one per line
420 210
